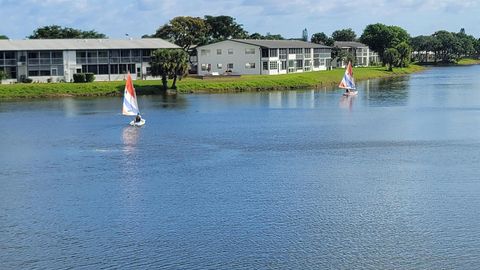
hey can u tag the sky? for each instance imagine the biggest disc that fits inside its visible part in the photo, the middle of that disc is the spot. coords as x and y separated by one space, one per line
116 18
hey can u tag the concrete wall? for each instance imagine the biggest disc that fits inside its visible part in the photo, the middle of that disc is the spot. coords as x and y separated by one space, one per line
239 58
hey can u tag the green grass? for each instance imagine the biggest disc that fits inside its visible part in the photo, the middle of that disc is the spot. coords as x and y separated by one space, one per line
468 61
194 85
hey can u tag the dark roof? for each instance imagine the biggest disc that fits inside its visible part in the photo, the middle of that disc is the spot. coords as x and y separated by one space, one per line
267 43
351 44
83 44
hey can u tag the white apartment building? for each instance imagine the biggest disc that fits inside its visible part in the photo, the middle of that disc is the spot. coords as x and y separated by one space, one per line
58 59
362 53
270 57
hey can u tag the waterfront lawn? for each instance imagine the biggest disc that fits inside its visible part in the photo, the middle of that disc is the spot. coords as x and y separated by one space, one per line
468 61
195 85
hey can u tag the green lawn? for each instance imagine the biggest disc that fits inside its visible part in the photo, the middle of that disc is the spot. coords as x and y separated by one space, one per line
194 85
468 61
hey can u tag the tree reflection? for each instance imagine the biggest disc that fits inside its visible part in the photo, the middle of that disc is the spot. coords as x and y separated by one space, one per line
390 91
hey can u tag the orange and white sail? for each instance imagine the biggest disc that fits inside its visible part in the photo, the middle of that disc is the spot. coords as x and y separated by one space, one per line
130 106
348 82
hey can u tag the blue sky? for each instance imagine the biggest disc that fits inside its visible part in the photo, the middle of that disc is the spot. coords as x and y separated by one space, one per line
115 18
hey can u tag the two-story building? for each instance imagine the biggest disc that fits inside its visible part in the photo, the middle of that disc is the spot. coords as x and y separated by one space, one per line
248 56
58 59
364 56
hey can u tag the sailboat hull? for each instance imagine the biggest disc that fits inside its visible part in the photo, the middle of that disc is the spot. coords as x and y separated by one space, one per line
351 93
137 124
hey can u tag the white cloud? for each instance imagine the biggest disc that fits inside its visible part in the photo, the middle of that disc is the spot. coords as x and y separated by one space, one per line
138 17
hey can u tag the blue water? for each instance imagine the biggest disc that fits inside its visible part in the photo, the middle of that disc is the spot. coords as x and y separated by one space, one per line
278 180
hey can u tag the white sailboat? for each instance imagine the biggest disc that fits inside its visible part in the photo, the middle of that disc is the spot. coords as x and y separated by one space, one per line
348 82
130 106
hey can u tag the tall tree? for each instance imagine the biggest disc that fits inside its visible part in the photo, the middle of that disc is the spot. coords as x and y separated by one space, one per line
404 54
391 57
447 44
58 32
3 37
185 31
321 38
223 27
161 65
379 37
477 47
169 64
179 65
344 35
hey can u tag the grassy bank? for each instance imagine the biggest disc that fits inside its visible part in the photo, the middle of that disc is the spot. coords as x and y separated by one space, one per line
193 85
468 61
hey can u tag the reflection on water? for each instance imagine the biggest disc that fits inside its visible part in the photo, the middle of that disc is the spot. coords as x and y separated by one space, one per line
130 136
386 92
346 102
291 99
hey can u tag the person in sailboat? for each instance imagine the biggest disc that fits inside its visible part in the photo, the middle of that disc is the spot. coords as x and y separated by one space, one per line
138 118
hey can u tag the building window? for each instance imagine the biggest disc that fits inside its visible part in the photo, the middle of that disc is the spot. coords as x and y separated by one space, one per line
284 65
273 53
250 51
114 69
299 64
219 66
249 65
219 51
230 51
273 65
230 66
283 53
308 52
102 69
204 52
204 67
265 53
265 65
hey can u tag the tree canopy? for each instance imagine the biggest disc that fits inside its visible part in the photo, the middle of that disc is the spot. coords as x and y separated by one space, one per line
380 37
223 27
185 31
267 36
322 38
169 64
3 37
58 32
344 35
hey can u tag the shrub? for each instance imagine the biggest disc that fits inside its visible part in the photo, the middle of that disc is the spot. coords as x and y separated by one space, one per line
89 77
27 80
79 78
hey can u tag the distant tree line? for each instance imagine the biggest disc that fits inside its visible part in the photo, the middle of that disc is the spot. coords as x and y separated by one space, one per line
446 46
58 32
395 46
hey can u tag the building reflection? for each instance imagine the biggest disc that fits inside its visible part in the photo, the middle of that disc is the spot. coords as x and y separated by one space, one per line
346 102
290 99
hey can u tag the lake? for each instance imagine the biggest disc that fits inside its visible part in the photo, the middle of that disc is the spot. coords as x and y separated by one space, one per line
388 179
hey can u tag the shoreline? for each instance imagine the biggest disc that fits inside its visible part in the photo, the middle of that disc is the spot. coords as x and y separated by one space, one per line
188 85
